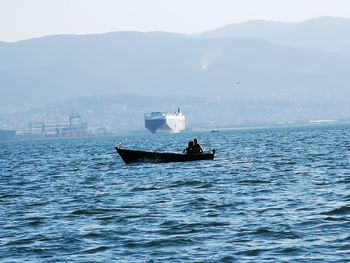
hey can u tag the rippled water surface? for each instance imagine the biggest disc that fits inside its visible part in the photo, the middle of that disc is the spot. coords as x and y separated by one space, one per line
270 195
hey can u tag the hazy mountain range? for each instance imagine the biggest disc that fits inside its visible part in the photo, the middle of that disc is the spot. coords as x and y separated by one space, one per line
324 33
302 67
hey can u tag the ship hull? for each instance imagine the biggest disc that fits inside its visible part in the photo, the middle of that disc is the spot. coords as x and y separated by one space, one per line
162 126
164 122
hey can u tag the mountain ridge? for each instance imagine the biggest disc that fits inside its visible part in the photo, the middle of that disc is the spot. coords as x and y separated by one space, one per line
316 33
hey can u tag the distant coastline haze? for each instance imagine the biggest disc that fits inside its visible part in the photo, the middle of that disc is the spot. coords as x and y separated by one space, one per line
252 72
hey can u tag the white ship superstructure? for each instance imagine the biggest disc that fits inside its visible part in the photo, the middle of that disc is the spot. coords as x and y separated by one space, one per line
167 122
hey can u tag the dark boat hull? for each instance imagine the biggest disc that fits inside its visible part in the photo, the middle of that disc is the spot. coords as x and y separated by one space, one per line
132 156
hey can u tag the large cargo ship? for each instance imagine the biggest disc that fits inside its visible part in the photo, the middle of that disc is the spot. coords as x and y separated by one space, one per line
165 122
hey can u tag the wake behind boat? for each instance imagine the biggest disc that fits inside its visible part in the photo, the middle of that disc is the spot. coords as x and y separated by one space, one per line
134 156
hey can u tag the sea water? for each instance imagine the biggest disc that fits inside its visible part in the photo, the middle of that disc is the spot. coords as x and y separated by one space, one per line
270 195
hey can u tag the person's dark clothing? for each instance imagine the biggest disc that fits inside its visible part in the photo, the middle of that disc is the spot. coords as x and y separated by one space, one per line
189 148
197 148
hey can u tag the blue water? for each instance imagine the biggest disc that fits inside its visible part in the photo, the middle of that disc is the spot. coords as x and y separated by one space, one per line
271 195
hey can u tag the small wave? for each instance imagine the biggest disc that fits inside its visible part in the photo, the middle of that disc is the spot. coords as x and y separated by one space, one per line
179 230
197 201
185 183
169 228
253 181
252 252
290 250
277 155
20 242
10 196
344 239
223 206
168 242
158 243
92 235
82 212
104 218
342 210
227 258
36 222
95 250
264 231
234 160
169 223
335 219
216 224
144 189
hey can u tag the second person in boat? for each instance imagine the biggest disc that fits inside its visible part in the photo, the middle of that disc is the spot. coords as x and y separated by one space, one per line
196 147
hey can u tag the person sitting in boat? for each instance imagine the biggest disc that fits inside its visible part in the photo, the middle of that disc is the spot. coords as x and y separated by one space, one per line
196 147
189 148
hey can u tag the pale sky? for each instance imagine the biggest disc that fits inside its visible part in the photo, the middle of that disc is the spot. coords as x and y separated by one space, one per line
23 19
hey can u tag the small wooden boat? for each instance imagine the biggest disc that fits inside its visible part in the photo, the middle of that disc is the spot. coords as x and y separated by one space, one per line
134 156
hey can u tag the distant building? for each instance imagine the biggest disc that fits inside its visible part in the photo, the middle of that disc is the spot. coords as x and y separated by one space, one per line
74 128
